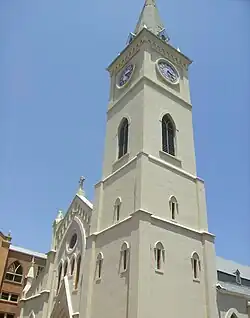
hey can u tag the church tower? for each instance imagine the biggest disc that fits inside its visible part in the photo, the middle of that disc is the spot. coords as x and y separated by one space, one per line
149 251
143 249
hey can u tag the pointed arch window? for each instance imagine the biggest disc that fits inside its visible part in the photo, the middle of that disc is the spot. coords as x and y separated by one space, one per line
99 263
173 205
159 256
196 266
59 277
14 272
78 268
168 135
124 256
123 138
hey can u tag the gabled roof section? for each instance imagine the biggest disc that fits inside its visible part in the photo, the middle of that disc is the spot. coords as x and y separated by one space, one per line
150 19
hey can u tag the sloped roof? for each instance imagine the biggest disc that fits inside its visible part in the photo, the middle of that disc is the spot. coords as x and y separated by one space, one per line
230 267
28 252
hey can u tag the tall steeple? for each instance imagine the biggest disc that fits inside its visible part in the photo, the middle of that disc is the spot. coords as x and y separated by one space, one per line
150 19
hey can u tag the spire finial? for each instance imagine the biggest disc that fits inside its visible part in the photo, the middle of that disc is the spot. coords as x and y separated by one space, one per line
81 190
150 19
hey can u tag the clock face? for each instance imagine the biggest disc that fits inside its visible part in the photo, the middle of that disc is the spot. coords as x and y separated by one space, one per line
168 71
126 75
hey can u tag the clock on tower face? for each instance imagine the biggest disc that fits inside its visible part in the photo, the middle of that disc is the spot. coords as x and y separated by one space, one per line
168 71
125 75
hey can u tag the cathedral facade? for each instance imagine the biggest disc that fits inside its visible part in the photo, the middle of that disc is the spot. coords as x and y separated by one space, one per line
143 248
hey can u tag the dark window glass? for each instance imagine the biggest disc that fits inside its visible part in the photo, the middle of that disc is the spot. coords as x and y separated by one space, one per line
10 316
195 268
5 296
158 258
173 210
118 212
73 241
14 297
123 138
125 259
99 268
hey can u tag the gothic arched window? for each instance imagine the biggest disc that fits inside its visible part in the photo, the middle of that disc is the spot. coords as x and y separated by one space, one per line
159 256
173 204
15 272
78 267
123 138
196 265
117 208
124 256
168 135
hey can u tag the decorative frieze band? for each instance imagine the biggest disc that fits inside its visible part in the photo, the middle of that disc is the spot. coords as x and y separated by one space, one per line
135 47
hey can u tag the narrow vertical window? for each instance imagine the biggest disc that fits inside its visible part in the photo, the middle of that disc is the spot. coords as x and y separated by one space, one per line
159 256
72 266
78 268
99 263
123 138
65 268
173 207
168 135
59 277
196 266
117 209
124 256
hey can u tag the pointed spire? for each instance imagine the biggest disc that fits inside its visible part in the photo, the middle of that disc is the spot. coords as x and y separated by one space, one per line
81 190
151 20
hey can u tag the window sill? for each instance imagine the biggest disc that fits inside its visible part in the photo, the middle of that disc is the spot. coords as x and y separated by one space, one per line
12 282
170 159
120 162
196 280
159 271
9 302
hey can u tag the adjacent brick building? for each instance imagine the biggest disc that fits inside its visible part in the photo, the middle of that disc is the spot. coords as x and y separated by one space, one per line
15 263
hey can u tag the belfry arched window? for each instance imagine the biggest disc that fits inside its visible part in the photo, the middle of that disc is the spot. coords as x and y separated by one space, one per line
123 138
168 135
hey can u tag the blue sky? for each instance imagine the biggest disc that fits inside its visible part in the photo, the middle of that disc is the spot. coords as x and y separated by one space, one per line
54 94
